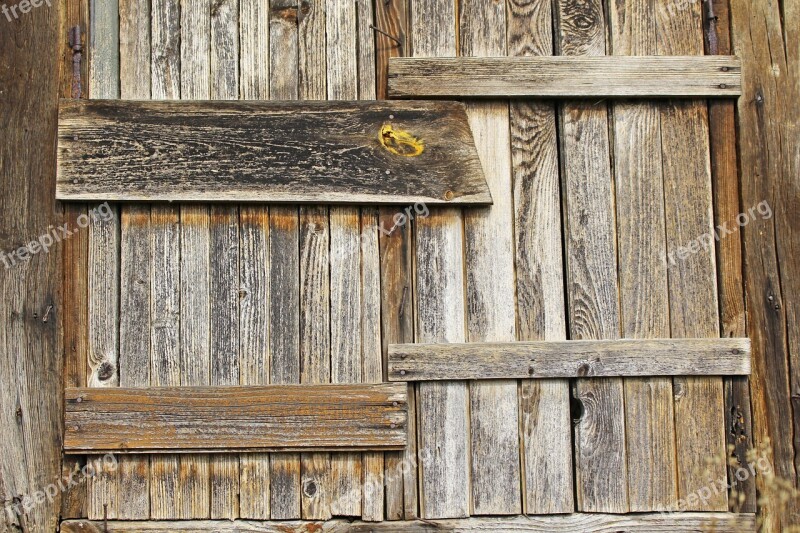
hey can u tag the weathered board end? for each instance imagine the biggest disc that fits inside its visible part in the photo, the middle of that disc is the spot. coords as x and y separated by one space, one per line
327 152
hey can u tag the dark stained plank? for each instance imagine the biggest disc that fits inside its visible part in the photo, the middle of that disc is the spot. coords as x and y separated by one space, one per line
276 417
400 152
730 266
545 427
768 119
591 267
597 523
569 359
565 77
31 307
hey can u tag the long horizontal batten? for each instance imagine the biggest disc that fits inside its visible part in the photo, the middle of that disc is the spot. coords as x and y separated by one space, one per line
297 152
263 418
597 523
566 77
569 359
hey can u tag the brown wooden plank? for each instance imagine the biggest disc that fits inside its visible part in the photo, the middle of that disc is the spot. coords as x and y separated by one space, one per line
565 77
442 408
591 262
766 36
730 268
489 256
569 359
31 307
367 152
693 301
545 426
597 523
291 417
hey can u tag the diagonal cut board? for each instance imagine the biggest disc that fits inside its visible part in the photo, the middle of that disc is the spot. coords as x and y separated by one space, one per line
569 359
565 77
239 151
258 418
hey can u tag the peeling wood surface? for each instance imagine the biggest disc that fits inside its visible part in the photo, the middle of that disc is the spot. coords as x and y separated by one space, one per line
343 152
598 523
565 77
235 418
569 359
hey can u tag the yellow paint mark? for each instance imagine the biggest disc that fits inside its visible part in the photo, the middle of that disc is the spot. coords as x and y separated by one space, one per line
400 142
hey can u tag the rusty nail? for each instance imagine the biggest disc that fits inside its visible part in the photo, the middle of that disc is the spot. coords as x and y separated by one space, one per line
448 195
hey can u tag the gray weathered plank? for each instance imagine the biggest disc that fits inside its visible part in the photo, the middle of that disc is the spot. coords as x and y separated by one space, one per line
197 419
400 152
565 77
569 359
597 523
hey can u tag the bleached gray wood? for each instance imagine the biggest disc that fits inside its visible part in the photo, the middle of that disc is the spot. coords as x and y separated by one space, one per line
565 77
569 359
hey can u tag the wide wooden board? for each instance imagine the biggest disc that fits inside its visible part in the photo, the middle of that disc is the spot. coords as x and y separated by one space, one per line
565 77
273 417
314 152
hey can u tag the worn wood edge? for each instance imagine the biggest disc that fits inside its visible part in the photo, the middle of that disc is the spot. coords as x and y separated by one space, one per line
598 523
569 359
557 77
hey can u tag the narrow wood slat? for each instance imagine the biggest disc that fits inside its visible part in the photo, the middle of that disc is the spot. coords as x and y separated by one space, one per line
569 359
274 417
320 152
597 523
565 77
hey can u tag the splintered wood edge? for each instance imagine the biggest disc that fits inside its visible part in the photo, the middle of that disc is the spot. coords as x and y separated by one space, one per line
96 423
599 523
566 77
569 359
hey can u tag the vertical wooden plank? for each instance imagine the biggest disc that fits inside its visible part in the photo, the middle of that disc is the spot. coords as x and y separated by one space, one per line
224 66
545 415
397 304
193 473
165 333
342 75
224 298
254 469
600 463
649 416
315 348
103 281
491 316
285 487
726 194
165 233
442 407
693 302
134 80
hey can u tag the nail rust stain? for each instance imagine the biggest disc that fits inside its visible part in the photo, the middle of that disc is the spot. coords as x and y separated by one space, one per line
400 142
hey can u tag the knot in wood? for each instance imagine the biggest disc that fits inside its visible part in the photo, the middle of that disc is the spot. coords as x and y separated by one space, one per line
400 142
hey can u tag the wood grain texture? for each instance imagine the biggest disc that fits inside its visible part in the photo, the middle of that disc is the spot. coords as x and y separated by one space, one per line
31 307
361 152
693 300
730 267
489 249
768 121
236 418
598 523
565 77
545 427
641 241
591 263
569 359
442 408
165 63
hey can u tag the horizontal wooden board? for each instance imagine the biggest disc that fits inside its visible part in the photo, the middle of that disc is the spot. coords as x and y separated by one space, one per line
565 77
299 152
569 359
597 523
262 418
